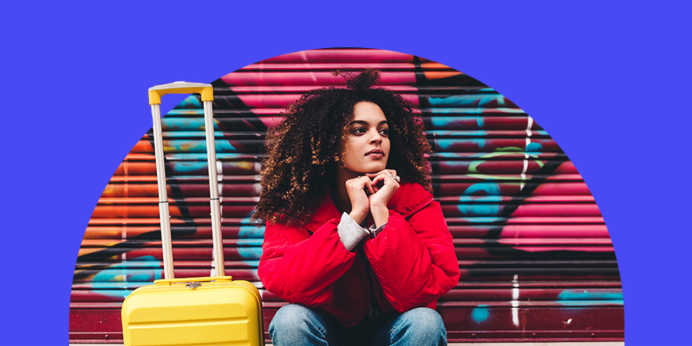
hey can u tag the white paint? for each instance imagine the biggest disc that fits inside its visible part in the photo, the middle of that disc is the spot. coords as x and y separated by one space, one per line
515 300
529 123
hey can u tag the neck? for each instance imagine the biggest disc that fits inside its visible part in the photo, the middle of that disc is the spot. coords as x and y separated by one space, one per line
339 194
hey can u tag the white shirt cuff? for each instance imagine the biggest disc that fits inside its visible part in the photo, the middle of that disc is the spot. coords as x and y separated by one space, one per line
350 232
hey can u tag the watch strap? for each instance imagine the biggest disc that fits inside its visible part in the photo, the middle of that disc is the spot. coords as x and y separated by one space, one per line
375 230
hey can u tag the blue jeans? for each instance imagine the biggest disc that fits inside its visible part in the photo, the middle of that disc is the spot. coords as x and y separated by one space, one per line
295 324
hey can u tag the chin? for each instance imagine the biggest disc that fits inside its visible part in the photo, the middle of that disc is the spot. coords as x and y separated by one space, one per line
373 169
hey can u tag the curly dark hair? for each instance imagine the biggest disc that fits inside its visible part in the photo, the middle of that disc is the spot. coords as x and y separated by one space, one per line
304 150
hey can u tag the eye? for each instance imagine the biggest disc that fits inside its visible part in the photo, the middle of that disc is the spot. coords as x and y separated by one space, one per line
358 131
384 132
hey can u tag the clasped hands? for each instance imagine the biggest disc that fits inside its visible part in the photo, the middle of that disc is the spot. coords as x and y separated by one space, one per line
380 188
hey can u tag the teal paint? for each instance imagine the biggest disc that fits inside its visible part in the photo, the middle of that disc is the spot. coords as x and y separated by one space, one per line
466 100
472 133
112 285
186 112
142 269
198 145
484 219
182 124
475 110
218 135
491 199
249 242
584 297
191 101
203 157
250 229
446 144
534 148
250 253
479 142
480 313
445 122
443 144
457 165
187 166
442 122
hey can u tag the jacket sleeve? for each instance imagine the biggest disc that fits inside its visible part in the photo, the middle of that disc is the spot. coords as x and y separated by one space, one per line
414 260
301 268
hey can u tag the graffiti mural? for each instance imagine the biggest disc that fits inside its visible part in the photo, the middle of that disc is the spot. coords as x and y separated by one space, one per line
536 259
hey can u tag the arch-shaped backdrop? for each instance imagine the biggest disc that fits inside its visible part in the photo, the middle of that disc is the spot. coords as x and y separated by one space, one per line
536 259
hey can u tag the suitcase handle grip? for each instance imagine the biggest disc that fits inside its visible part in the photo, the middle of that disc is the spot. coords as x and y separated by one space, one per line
205 90
168 282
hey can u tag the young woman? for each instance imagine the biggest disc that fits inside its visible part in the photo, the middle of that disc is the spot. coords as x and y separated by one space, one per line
354 240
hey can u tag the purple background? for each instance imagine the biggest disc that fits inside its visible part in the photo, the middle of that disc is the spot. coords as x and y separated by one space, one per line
75 79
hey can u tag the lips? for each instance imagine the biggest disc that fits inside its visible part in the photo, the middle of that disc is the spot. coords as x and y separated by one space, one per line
375 152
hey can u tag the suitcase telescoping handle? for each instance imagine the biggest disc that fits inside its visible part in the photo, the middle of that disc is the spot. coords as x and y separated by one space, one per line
207 93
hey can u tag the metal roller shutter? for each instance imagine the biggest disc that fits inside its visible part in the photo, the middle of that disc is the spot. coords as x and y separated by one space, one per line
536 259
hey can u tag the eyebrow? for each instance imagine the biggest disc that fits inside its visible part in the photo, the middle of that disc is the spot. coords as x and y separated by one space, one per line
361 122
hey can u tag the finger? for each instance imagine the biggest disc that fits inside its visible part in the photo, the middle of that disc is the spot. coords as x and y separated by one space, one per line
362 180
369 186
378 178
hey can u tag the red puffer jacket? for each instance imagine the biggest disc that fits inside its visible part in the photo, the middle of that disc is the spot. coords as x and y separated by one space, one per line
412 259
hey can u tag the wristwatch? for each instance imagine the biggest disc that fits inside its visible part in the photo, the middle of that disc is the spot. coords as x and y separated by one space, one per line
372 230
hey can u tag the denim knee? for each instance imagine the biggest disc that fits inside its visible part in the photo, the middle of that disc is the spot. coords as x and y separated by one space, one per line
295 324
419 326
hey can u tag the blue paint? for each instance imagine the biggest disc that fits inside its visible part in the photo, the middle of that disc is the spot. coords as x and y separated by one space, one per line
141 269
443 122
447 122
480 313
198 146
250 253
457 165
584 297
475 133
491 200
446 144
250 242
462 111
465 100
475 110
181 124
111 285
200 134
534 148
203 157
187 166
448 155
484 219
250 229
190 102
187 112
479 142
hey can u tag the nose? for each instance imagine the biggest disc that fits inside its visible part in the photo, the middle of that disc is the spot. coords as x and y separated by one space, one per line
376 137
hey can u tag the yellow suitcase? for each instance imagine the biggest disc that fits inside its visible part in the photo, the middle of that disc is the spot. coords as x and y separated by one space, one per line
191 311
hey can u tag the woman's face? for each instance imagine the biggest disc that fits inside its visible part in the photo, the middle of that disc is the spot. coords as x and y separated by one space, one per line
366 143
